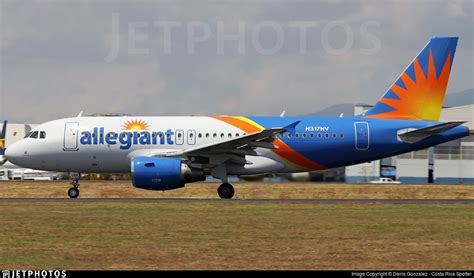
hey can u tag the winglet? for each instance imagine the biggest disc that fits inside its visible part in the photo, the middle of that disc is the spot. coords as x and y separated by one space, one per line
79 115
291 127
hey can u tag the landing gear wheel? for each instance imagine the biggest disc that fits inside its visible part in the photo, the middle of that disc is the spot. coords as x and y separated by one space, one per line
73 192
226 191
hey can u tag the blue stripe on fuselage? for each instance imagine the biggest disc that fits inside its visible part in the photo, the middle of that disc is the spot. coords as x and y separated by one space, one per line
338 150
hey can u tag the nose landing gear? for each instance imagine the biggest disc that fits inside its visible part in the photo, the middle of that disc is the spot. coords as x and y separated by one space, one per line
73 192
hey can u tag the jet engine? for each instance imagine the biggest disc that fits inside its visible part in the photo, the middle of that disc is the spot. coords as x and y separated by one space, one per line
157 173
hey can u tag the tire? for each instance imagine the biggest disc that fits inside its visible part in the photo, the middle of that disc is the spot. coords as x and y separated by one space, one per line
226 191
73 193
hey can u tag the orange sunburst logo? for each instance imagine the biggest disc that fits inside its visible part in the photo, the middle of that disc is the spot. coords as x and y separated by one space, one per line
135 125
422 99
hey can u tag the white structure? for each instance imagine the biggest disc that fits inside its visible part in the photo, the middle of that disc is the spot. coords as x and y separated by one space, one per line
15 132
453 161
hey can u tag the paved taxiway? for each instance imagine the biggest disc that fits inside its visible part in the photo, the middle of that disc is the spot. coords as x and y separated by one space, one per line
164 200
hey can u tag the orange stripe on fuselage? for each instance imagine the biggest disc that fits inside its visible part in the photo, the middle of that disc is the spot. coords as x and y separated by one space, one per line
295 157
284 151
244 126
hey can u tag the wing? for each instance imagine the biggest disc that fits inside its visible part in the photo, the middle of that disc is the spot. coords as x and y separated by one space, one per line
233 150
260 139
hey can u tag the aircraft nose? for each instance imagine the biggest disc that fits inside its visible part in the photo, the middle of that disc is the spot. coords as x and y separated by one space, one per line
12 153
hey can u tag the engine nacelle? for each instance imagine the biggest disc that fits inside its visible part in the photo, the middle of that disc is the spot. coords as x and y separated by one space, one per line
156 173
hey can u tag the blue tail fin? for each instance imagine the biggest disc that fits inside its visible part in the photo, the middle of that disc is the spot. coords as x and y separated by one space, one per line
2 137
418 93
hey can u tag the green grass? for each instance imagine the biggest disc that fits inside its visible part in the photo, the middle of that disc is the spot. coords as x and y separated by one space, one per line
235 235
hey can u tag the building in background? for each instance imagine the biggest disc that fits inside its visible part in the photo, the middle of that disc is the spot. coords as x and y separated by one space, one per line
16 132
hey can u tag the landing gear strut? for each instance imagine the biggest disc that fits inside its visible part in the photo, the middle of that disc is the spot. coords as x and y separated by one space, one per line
73 192
226 191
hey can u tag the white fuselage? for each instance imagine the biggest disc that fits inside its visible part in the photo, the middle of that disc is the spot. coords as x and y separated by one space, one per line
107 144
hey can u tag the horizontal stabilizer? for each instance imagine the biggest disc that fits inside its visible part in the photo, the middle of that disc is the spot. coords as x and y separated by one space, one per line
413 136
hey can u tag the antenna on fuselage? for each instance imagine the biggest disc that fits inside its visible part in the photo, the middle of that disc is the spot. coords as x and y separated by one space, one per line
283 114
341 115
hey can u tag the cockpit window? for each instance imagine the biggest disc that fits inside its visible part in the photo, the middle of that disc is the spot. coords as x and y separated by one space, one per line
34 135
28 134
42 134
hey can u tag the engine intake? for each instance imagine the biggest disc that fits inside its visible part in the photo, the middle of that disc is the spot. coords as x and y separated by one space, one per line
156 173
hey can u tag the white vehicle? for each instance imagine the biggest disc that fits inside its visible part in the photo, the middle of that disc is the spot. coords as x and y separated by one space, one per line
4 174
37 175
385 180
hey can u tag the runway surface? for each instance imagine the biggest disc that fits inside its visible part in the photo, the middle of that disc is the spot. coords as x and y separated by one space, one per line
188 200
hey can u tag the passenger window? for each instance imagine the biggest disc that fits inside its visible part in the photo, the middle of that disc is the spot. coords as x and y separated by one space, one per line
214 135
34 135
311 135
303 135
229 135
42 134
297 135
179 135
327 135
207 135
334 135
236 135
199 135
320 135
222 135
341 135
289 135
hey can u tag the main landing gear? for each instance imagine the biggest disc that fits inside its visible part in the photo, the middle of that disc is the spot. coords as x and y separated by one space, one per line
73 192
226 191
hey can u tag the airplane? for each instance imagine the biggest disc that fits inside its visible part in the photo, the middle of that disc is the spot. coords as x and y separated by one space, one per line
164 153
3 134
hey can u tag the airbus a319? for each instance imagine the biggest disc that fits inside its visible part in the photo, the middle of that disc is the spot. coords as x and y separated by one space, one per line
164 153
